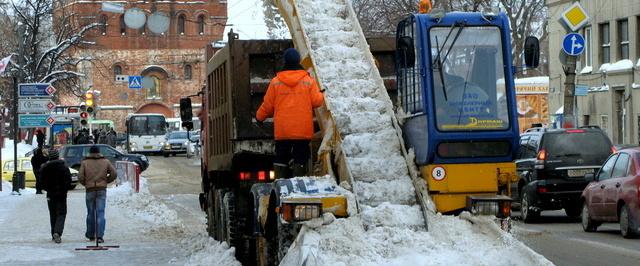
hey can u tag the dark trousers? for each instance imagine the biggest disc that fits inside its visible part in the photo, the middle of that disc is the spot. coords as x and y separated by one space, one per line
57 213
296 150
38 181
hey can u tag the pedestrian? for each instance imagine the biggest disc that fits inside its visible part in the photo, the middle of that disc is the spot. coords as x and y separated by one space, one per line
96 172
56 179
111 138
291 97
37 160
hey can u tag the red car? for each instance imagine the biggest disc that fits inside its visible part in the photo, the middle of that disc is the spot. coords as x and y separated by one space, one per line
613 195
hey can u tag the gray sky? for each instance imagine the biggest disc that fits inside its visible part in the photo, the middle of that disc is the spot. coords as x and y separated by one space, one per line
247 19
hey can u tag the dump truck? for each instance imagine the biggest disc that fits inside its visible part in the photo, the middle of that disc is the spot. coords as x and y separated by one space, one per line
453 123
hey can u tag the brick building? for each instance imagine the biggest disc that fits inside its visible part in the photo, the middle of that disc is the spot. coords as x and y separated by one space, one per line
174 60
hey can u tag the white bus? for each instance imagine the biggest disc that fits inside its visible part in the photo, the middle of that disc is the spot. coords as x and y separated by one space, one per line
175 124
146 133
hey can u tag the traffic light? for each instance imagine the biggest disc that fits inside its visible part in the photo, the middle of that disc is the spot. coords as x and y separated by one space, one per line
89 101
84 116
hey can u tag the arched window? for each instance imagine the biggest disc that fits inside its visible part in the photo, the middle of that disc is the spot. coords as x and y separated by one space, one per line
117 70
181 20
103 26
201 24
123 26
154 93
187 72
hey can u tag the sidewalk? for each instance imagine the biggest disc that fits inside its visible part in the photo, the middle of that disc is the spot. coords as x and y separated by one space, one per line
147 231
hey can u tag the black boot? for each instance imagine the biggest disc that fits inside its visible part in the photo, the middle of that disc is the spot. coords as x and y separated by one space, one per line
281 172
299 170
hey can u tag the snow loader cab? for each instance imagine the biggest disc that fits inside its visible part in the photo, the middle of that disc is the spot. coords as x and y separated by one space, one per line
461 125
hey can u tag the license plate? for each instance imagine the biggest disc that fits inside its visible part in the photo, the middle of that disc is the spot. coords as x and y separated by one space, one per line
579 172
148 147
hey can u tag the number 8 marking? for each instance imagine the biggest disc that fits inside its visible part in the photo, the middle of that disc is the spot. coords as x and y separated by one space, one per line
438 173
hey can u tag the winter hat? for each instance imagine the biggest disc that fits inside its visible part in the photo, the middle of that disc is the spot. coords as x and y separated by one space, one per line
53 154
291 57
94 149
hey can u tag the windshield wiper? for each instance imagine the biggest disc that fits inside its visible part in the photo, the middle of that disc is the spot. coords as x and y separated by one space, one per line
439 60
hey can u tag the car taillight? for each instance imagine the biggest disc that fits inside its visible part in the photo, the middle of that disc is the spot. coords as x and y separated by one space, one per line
262 176
575 131
542 190
542 155
245 176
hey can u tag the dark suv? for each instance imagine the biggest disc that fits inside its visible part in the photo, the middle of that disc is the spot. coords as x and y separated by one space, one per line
552 163
73 155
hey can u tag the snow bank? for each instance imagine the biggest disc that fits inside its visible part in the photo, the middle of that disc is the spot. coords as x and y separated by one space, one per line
207 251
23 148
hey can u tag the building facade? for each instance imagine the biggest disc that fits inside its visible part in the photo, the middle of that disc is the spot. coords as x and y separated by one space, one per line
609 67
172 62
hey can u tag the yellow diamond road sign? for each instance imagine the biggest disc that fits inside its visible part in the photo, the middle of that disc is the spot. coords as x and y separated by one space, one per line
575 17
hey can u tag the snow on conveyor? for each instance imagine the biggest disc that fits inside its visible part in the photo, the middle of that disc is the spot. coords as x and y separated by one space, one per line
389 230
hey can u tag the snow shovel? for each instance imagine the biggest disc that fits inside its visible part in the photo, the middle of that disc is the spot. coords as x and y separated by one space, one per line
95 234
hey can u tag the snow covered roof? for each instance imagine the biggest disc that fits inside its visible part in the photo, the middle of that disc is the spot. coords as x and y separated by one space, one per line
586 70
537 80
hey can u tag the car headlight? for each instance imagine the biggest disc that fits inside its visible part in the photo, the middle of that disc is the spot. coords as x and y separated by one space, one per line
186 143
162 143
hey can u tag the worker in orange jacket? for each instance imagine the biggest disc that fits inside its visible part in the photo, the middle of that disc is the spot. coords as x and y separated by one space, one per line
291 97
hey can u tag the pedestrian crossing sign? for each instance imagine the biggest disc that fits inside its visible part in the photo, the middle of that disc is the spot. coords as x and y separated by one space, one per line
135 82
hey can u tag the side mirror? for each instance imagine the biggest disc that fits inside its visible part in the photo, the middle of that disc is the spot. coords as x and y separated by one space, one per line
590 177
406 52
532 52
186 114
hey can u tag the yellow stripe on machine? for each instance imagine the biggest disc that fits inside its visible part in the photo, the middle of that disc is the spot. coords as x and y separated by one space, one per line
450 184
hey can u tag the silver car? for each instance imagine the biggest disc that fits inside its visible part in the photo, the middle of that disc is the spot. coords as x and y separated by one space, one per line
175 143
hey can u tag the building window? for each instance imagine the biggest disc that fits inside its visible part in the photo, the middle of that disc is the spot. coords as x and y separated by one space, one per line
187 72
201 24
117 70
181 21
103 24
154 93
123 26
623 37
587 48
605 43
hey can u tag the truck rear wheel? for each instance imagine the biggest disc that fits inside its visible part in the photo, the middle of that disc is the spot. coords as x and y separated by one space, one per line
279 236
231 232
211 214
220 225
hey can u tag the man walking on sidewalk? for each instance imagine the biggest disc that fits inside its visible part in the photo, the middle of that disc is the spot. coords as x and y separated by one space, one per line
56 179
95 173
37 160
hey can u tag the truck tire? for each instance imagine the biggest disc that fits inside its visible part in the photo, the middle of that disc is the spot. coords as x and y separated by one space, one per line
279 236
232 227
220 225
211 214
627 226
528 213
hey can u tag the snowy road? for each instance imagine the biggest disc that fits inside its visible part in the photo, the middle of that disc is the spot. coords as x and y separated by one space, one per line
160 228
562 240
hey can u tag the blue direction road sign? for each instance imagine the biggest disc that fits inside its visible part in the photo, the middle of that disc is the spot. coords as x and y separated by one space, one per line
31 121
573 44
135 82
35 90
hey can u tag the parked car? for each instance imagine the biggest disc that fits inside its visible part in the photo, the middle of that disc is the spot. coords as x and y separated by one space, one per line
73 155
552 163
614 194
176 142
29 176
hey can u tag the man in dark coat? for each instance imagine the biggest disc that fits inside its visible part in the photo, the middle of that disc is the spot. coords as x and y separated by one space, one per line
57 181
38 159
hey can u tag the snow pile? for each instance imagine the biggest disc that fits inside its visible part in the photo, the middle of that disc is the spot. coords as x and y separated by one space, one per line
207 251
23 148
621 65
389 230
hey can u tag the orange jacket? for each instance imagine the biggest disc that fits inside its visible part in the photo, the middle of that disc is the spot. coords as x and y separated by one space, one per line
290 100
